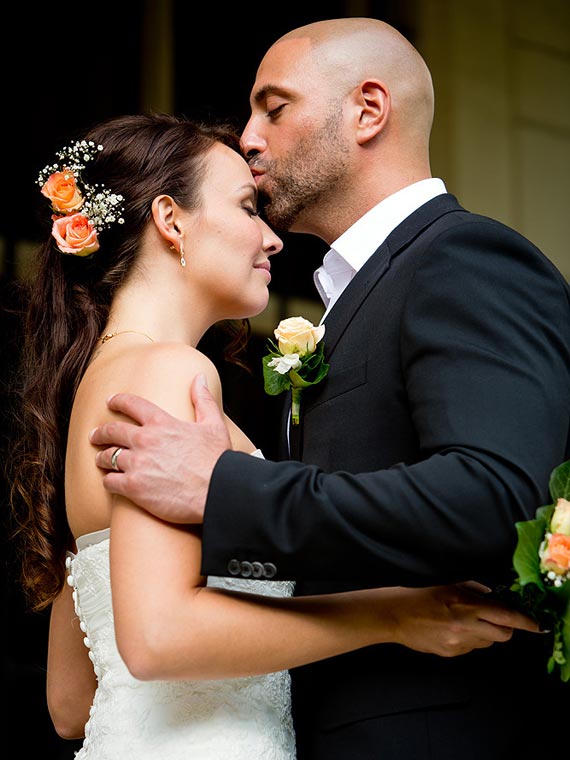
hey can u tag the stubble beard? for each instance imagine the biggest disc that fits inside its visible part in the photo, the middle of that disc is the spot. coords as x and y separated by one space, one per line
299 183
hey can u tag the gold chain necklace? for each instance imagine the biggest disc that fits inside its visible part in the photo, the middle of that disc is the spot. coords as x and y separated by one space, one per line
108 336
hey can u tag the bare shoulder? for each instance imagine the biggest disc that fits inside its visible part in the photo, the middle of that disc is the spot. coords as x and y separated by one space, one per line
163 373
186 362
177 357
159 372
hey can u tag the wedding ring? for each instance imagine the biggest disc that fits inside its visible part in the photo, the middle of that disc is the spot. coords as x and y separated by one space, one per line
114 463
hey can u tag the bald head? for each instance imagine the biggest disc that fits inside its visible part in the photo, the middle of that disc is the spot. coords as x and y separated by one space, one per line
348 51
341 114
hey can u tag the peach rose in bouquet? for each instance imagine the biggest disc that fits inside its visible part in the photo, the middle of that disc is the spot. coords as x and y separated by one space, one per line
554 551
542 564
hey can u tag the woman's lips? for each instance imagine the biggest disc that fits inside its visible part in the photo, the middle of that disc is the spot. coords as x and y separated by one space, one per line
265 266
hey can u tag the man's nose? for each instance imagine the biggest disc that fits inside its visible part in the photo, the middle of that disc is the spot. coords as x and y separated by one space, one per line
251 141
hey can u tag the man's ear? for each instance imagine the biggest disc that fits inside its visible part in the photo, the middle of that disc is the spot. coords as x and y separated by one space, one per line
374 104
164 214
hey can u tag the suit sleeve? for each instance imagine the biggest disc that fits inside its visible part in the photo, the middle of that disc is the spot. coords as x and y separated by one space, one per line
485 352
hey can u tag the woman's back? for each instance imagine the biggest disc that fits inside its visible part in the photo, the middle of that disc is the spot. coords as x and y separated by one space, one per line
234 719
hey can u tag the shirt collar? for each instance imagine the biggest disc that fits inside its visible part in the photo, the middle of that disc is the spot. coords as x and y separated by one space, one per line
353 248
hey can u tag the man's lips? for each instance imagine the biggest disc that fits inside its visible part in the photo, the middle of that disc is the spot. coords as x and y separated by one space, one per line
256 173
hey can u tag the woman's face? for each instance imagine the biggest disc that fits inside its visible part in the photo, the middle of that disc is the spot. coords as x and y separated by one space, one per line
226 245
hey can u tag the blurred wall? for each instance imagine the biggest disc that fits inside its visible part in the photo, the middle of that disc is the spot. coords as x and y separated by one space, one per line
501 137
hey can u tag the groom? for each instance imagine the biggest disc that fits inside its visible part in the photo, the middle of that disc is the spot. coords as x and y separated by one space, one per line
445 408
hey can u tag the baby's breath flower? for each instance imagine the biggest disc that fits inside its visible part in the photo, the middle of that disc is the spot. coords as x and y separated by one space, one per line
101 207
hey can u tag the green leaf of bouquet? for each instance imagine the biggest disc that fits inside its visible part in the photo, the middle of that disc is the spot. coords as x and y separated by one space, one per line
525 559
274 382
559 484
561 652
565 633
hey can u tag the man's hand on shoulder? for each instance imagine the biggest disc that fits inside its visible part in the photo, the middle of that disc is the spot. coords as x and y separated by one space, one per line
162 463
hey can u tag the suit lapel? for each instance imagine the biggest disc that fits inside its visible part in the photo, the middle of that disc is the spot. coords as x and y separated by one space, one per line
362 285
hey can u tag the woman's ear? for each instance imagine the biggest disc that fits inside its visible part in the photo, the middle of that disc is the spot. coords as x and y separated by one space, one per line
164 214
374 104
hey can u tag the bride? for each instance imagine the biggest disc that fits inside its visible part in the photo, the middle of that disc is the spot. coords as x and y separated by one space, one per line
154 238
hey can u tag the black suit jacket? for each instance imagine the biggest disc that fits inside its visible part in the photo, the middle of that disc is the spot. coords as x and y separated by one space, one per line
446 406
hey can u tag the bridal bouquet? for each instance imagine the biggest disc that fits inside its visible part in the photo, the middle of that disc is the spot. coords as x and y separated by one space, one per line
542 563
296 362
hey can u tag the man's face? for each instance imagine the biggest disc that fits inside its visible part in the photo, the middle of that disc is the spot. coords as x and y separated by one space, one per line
293 140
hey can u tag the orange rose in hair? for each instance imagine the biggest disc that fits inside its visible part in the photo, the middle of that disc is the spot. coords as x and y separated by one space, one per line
63 193
75 234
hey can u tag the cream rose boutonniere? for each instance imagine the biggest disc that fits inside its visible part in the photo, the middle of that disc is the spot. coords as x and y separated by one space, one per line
296 361
542 566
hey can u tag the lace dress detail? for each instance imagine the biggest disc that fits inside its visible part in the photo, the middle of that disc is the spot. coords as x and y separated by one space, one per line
230 719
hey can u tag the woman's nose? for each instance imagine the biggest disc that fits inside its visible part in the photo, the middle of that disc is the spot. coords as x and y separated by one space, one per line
272 243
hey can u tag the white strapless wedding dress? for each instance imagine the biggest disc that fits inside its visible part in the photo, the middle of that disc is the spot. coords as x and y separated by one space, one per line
230 719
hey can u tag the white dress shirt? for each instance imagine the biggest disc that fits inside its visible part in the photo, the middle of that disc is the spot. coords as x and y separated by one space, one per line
353 248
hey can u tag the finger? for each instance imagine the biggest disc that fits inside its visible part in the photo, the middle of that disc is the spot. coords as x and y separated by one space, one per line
504 617
485 643
114 482
116 433
104 459
205 405
475 586
137 408
525 623
502 633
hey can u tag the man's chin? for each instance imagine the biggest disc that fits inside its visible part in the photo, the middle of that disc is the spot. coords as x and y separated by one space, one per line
276 220
280 219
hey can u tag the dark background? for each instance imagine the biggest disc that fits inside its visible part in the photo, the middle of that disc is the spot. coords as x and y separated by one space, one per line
65 67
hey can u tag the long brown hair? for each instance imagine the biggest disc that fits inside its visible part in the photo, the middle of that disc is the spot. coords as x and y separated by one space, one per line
69 300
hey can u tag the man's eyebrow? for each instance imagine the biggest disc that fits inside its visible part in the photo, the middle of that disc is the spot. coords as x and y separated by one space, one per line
266 90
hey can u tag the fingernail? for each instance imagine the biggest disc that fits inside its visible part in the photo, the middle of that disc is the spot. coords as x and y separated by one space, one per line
201 380
92 433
